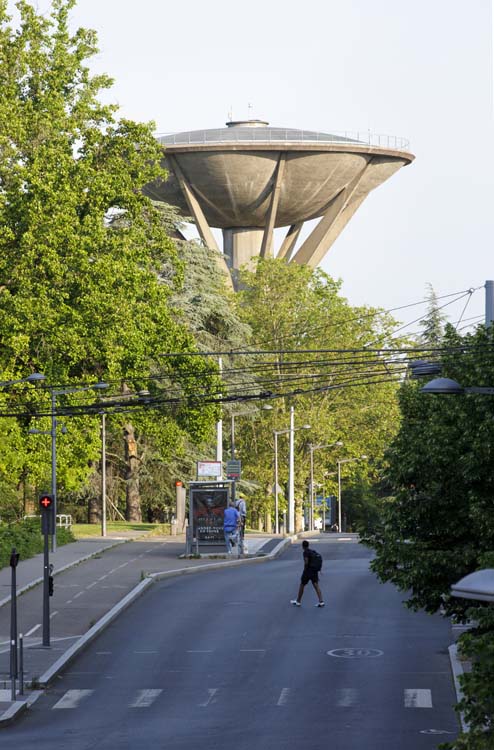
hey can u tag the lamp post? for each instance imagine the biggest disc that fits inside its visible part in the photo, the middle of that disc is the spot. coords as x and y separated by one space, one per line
313 448
344 461
291 500
53 433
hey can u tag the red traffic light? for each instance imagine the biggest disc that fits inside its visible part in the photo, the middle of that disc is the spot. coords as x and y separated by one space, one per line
46 502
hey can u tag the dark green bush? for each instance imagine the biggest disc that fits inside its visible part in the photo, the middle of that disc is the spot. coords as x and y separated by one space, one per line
27 539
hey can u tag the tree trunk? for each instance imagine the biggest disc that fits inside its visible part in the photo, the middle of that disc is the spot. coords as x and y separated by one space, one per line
132 494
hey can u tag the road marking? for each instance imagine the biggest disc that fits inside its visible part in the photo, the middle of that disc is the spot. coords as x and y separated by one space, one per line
252 650
90 586
53 614
347 697
282 700
122 565
78 595
418 698
145 652
103 653
355 653
102 578
199 652
72 698
145 698
212 692
33 630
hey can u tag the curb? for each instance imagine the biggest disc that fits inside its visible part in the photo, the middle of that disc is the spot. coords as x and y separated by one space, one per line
37 581
457 671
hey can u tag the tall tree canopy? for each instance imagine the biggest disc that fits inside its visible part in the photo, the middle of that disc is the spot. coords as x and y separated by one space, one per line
318 362
82 251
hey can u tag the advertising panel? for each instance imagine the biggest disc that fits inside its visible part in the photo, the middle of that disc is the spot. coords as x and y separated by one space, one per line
207 506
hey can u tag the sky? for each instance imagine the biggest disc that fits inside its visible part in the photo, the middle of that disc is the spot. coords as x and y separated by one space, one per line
421 70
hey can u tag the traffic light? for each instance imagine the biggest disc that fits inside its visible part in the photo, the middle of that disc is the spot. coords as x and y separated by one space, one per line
47 514
46 502
50 586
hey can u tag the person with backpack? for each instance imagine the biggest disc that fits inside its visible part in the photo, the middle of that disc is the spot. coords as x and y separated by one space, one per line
312 566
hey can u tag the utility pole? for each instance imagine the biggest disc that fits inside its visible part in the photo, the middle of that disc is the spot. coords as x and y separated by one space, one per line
489 303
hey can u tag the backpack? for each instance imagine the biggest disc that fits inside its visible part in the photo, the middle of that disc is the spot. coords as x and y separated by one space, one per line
315 560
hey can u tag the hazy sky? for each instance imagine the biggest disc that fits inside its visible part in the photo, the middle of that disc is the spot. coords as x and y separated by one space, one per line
421 70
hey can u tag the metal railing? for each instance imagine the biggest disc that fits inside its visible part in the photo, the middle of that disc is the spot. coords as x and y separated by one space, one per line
64 520
283 135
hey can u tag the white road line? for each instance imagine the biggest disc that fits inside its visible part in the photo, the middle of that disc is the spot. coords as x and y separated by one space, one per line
252 650
103 653
347 697
283 699
90 586
33 630
212 692
122 565
145 652
418 698
78 595
53 614
145 698
102 578
72 698
199 652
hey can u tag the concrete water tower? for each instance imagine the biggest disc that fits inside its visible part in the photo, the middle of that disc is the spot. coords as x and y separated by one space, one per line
248 179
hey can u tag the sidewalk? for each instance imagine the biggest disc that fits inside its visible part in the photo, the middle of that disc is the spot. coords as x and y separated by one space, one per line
94 580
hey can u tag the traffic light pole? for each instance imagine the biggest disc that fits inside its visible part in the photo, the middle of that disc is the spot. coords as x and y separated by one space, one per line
46 593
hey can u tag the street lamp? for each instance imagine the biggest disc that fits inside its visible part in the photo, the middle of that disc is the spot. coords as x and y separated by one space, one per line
291 500
34 377
344 461
313 448
53 432
447 386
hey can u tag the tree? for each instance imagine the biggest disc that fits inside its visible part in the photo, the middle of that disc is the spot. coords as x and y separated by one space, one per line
439 526
292 309
82 250
433 322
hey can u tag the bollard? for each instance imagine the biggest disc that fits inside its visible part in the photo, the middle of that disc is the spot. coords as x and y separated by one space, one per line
21 664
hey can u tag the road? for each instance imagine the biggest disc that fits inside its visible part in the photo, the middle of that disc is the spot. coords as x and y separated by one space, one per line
222 660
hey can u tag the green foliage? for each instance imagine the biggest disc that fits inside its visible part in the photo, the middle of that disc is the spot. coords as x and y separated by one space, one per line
441 521
291 308
27 539
87 264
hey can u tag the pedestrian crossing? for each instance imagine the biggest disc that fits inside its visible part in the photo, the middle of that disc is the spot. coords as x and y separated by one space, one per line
348 697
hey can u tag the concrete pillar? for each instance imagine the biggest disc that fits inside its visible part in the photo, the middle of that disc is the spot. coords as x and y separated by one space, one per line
241 244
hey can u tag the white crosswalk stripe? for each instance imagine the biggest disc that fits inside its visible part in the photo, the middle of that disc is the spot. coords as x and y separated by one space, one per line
418 698
72 698
145 698
342 698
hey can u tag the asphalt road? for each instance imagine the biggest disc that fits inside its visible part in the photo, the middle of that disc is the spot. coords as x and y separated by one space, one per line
223 661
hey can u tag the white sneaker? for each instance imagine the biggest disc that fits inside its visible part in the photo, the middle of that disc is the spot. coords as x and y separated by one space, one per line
295 603
320 604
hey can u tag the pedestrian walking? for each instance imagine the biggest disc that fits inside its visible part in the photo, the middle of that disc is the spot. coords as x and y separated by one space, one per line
312 566
231 518
242 509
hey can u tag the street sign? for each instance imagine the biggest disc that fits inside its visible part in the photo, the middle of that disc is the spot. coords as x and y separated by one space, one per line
233 469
